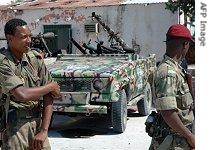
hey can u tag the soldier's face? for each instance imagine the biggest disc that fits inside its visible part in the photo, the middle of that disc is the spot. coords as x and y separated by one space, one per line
186 46
21 40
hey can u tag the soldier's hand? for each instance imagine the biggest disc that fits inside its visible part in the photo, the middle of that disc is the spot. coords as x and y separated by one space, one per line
191 141
55 92
38 141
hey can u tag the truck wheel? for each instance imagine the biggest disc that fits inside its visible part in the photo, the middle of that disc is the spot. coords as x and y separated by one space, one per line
119 113
144 105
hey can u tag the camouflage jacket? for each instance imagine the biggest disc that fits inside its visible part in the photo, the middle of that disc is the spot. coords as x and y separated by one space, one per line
172 90
29 72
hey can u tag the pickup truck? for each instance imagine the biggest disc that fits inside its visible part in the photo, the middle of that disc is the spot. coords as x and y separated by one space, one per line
106 84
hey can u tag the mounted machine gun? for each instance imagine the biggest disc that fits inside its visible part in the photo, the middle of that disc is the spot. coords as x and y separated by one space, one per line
112 34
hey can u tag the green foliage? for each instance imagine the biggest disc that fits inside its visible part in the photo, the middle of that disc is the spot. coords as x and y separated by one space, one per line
186 6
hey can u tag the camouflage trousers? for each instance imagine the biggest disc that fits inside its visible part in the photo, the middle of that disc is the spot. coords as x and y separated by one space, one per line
171 142
19 135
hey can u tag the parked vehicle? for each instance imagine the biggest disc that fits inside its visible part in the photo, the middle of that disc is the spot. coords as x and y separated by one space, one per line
105 84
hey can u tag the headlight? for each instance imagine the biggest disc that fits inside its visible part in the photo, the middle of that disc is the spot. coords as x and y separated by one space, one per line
98 84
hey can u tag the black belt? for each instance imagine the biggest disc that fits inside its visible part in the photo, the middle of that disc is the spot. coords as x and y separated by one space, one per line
24 114
27 114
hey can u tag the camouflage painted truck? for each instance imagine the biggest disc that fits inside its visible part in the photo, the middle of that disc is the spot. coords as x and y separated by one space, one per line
105 84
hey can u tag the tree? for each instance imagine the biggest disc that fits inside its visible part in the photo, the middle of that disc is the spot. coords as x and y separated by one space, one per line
186 6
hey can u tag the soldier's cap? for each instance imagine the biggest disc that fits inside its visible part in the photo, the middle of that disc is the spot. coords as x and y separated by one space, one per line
178 31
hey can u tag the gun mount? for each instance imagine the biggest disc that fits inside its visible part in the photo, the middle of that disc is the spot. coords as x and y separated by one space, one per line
38 42
112 34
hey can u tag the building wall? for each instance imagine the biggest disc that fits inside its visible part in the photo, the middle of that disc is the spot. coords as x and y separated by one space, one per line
140 25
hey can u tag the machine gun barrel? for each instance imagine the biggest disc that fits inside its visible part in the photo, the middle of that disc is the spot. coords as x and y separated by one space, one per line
112 34
128 50
89 47
45 36
112 50
46 47
78 46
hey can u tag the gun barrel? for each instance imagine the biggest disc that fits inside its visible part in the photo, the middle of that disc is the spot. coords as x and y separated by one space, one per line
128 50
111 50
46 47
44 35
78 46
110 32
91 48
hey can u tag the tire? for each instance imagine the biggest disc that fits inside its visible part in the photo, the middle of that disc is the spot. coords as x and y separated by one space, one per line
119 113
144 105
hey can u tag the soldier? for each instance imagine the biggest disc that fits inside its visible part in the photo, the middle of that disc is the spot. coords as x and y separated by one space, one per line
27 84
174 101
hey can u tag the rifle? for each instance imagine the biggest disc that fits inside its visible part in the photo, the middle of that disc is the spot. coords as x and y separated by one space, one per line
78 46
112 34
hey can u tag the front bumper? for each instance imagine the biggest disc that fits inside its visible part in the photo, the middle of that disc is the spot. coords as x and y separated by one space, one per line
87 109
77 102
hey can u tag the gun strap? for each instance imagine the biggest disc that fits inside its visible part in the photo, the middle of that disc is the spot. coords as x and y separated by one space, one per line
6 107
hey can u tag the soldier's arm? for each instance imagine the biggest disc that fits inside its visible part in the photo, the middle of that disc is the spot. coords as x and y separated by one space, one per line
39 139
28 94
172 119
14 85
45 77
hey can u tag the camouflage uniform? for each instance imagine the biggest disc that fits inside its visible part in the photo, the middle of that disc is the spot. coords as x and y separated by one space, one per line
173 93
30 72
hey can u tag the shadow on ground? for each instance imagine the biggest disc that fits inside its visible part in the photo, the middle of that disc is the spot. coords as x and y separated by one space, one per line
84 127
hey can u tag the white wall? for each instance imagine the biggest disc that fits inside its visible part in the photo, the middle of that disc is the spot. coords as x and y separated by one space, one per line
144 24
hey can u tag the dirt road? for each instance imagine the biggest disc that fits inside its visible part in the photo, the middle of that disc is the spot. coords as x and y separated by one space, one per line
93 134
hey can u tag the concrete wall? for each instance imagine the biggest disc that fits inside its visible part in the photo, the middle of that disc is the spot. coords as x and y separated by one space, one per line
143 25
